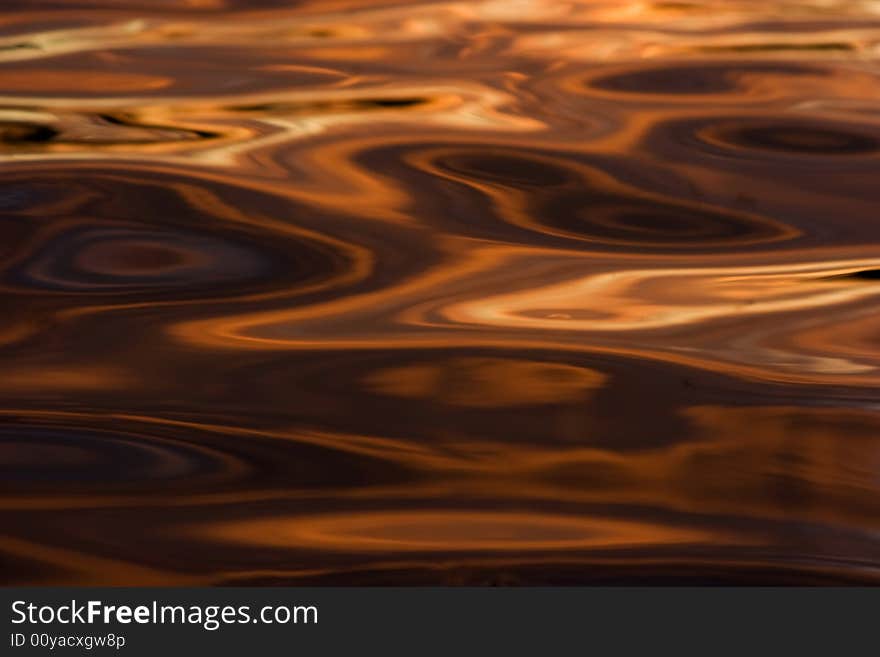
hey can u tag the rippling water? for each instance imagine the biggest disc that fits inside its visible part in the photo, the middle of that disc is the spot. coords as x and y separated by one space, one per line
492 292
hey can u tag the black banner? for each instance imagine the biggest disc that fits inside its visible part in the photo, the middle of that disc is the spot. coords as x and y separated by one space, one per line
413 621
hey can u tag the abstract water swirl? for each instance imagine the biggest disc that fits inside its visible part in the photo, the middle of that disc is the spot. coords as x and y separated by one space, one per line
383 292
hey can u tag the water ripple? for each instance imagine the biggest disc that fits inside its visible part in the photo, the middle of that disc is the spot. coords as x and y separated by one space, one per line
465 293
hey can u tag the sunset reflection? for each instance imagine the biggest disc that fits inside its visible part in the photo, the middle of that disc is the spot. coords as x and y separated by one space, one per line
359 292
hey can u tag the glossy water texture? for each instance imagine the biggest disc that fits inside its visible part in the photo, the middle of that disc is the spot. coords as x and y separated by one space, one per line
493 292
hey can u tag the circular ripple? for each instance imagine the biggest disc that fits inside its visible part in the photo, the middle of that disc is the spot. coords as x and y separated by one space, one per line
134 259
795 138
33 457
551 195
446 531
156 235
799 140
693 80
653 223
488 382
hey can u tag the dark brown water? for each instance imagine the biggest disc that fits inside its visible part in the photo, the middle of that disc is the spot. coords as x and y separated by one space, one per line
493 292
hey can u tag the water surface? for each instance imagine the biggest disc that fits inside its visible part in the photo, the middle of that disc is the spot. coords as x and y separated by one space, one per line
492 292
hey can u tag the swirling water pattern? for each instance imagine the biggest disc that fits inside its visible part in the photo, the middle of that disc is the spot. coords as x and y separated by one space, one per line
382 292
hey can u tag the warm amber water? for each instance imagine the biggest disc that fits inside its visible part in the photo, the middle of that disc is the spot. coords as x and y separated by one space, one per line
479 292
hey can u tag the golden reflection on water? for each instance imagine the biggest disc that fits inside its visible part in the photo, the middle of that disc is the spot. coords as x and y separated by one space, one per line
359 292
